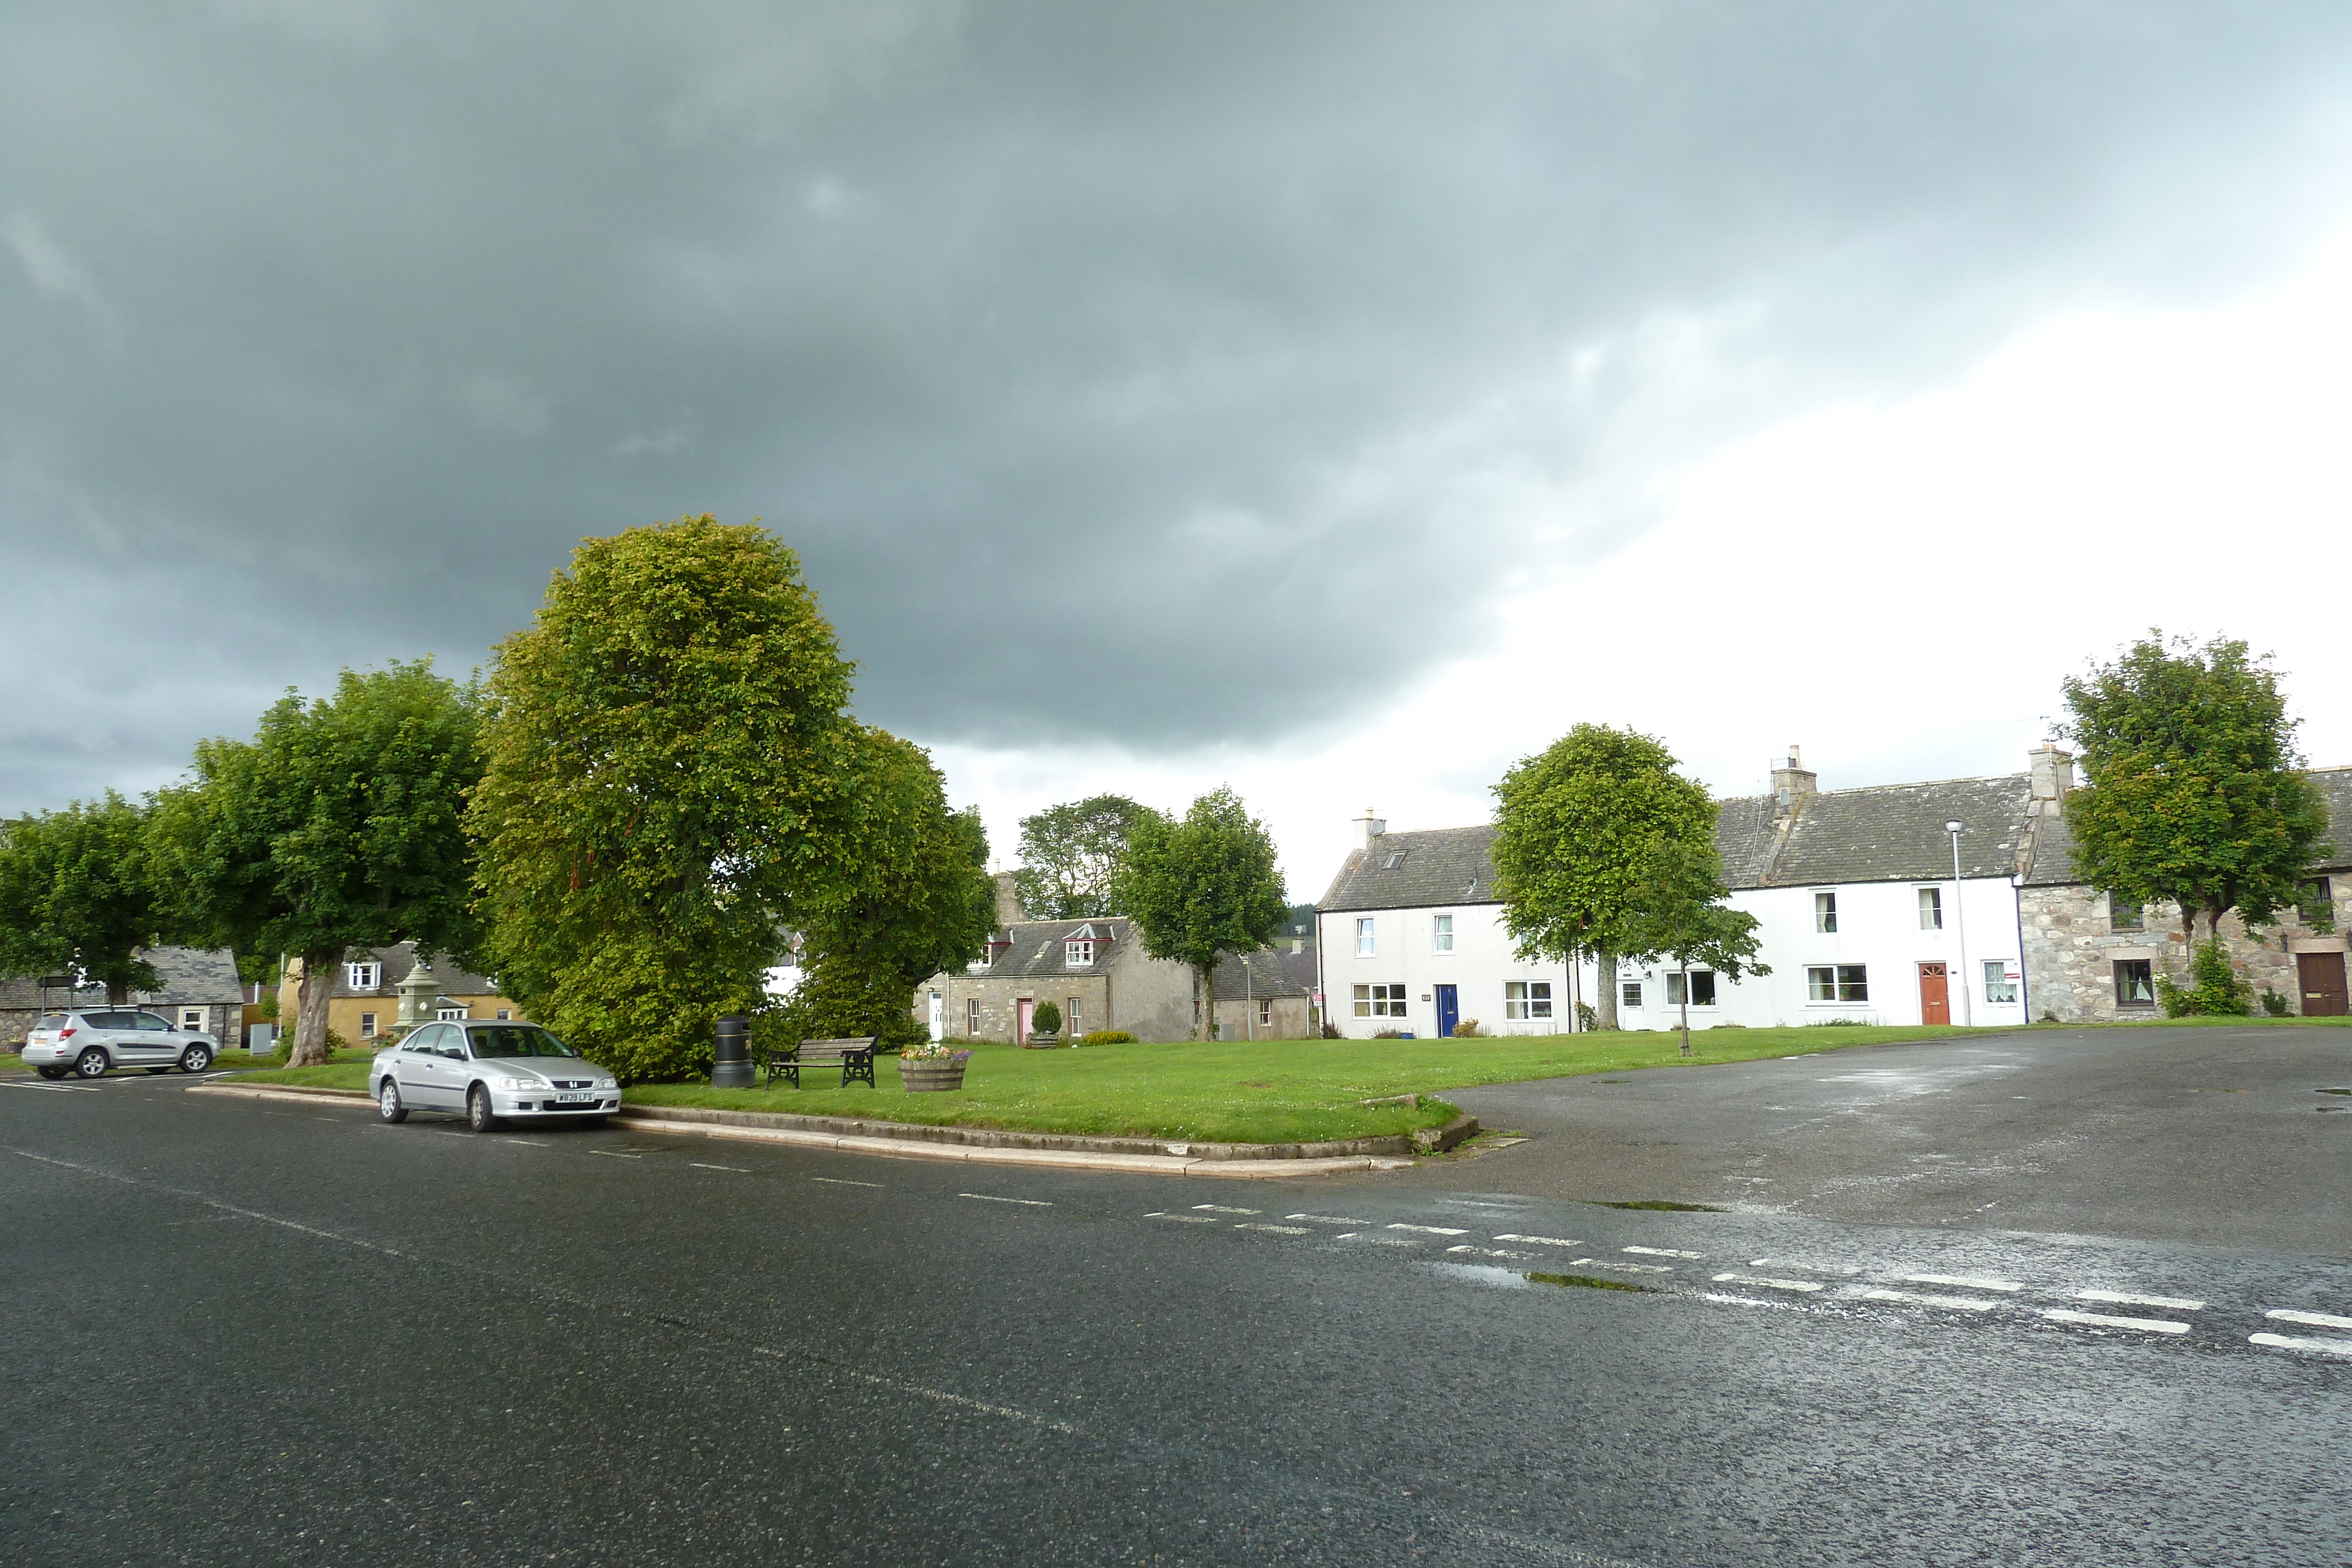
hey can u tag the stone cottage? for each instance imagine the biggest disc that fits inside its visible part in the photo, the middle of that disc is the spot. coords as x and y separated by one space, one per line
2090 957
1098 975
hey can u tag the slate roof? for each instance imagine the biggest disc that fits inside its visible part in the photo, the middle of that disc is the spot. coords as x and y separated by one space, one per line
2054 855
191 976
1413 871
1895 832
1035 950
1264 973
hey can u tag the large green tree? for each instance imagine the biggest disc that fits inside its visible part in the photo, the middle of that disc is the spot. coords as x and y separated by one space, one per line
339 825
75 896
1577 831
668 764
915 899
1200 887
2194 792
1070 855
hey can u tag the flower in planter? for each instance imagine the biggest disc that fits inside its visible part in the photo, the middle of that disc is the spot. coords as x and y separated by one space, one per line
935 1053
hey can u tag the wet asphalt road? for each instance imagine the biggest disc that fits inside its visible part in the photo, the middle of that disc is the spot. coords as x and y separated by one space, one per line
2208 1134
261 1333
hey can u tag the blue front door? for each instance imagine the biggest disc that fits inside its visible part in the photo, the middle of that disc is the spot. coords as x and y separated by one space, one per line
1449 1011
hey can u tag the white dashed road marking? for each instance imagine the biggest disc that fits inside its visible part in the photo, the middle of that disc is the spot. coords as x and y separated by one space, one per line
1539 1240
1965 1282
1187 1218
739 1170
1808 1268
1326 1219
1959 1303
2316 1320
1278 1229
2100 1320
608 1153
1377 1240
526 1142
837 1181
1659 1252
1221 1208
1489 1252
1430 1229
2123 1299
1805 1285
991 1198
2290 1342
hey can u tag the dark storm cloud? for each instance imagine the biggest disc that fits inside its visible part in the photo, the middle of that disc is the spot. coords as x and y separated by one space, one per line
1157 375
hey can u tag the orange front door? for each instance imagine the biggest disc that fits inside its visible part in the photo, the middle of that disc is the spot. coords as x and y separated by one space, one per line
1935 995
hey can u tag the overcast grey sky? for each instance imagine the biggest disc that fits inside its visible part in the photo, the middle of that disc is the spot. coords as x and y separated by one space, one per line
1130 377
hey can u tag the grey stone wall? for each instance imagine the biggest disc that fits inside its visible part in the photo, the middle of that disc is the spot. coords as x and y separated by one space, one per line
2072 946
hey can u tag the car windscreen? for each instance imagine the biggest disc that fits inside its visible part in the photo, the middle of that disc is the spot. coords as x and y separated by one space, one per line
53 1021
515 1040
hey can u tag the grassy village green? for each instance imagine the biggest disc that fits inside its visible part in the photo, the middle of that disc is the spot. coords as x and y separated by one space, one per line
1229 1090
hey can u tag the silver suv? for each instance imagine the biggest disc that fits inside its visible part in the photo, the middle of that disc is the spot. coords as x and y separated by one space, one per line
87 1040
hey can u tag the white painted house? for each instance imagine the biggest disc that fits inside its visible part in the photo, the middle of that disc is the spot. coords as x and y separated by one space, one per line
1859 913
1411 939
1860 917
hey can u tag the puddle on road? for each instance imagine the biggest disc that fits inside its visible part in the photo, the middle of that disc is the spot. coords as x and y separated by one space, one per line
1588 1282
1657 1203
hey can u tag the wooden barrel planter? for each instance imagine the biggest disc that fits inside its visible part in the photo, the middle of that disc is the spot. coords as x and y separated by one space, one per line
924 1077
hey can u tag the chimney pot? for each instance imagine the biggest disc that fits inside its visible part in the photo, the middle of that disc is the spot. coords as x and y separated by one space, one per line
2052 770
1792 780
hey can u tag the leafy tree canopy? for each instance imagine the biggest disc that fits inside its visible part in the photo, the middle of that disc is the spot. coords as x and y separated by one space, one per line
2194 791
339 825
667 766
75 894
1578 830
915 899
1070 855
1199 887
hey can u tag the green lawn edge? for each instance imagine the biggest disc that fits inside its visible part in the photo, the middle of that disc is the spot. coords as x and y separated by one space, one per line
1255 1092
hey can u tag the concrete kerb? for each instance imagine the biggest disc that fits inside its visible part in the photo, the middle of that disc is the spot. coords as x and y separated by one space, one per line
908 1142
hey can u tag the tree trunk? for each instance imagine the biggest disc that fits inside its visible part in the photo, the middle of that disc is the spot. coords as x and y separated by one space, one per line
1204 988
311 1011
1605 1005
1685 1008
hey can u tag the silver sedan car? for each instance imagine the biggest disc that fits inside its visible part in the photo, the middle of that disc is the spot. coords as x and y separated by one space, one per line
491 1072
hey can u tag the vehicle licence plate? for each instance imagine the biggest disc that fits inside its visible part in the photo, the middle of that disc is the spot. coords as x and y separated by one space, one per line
575 1098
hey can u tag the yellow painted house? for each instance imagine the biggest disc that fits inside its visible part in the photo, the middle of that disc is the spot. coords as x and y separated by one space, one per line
366 1001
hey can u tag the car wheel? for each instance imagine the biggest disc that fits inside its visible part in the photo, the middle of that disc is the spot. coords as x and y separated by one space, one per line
387 1102
477 1111
55 1071
90 1063
195 1058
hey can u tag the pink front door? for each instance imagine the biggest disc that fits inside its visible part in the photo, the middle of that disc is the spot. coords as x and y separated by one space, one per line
1020 1011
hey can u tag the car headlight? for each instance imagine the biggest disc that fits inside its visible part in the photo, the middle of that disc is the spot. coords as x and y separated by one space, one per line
521 1084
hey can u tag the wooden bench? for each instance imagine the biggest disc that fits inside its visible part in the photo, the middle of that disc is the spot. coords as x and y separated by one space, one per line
856 1056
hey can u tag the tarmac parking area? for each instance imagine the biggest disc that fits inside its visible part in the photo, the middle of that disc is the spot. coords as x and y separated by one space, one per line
2211 1135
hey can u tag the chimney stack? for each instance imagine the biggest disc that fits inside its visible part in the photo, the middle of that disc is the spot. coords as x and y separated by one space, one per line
1792 780
1368 827
2053 769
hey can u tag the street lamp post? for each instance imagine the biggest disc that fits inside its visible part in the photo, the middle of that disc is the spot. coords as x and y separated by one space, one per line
1960 929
